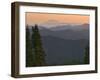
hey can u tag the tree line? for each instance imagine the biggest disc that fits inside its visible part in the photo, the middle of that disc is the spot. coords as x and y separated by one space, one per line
35 54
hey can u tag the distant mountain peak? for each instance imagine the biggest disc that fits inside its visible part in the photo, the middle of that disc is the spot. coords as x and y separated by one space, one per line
85 24
52 23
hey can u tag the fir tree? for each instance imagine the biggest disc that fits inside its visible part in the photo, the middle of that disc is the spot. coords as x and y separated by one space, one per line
39 55
86 56
29 52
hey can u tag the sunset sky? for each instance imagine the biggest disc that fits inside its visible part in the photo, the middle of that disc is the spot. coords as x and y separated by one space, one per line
40 18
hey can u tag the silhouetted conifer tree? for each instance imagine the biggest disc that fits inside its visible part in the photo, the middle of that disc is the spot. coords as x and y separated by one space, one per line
86 56
39 55
29 52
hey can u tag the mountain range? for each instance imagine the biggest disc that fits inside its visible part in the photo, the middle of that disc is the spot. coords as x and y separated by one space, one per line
64 43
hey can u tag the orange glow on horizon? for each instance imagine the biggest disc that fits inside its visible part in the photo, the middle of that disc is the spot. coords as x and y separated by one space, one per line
39 18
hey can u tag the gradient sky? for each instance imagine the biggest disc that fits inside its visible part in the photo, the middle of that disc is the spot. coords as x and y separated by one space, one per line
40 18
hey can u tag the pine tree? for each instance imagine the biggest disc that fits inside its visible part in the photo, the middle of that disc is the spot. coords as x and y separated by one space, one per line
39 55
29 52
86 56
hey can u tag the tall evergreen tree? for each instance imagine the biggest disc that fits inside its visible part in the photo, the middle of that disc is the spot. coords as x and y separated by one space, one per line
86 56
29 52
39 55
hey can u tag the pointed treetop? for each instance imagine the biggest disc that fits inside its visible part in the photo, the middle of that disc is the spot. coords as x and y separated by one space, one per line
36 27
